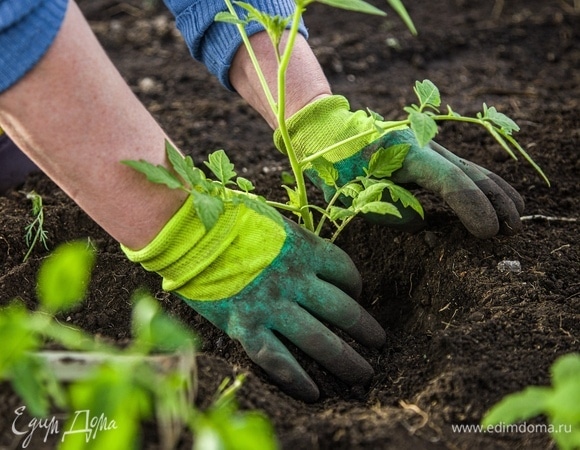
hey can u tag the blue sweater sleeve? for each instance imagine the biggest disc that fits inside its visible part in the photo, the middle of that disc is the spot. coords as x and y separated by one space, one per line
215 43
27 29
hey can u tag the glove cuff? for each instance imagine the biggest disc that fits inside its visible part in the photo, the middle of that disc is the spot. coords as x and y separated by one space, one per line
324 123
211 264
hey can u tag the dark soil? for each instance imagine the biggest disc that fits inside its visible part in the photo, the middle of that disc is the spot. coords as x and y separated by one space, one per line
461 333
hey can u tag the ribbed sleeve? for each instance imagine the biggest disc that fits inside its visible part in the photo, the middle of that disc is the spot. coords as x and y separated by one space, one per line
27 29
215 43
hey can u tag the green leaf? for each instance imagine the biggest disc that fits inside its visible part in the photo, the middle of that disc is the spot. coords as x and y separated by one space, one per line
326 171
424 126
380 208
182 165
386 160
64 276
406 198
427 93
398 6
293 196
244 184
506 124
354 5
219 163
566 368
208 207
228 18
518 406
28 378
15 335
338 213
351 189
565 401
372 193
154 329
156 174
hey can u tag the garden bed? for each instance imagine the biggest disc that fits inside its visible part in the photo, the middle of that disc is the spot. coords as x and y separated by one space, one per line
461 333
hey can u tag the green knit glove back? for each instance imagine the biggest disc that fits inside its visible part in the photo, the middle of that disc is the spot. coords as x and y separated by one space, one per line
253 277
484 202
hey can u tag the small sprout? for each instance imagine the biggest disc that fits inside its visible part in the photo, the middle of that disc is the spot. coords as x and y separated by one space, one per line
35 231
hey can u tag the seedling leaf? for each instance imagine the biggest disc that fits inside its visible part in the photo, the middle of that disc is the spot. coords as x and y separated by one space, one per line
424 126
565 368
326 171
380 208
228 18
156 174
427 93
157 331
354 5
219 163
506 124
64 276
518 406
338 213
244 184
386 160
208 207
406 198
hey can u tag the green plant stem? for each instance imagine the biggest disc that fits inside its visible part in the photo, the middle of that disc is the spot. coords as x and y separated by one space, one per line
253 58
281 116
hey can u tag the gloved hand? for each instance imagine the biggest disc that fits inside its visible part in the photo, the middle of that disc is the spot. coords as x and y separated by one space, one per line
253 277
484 202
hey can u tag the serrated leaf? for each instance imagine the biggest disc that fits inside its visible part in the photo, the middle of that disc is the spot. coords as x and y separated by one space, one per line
406 198
244 184
427 93
293 196
354 5
208 208
183 166
228 17
337 213
518 406
373 193
424 127
326 171
387 160
380 208
220 165
156 174
64 276
351 189
501 120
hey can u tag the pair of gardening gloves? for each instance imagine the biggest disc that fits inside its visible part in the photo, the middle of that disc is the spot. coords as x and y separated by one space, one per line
266 282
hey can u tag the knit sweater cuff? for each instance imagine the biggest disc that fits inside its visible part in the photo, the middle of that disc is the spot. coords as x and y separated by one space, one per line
216 43
27 30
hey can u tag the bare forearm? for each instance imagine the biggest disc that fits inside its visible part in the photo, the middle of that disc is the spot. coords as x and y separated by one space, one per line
305 80
75 116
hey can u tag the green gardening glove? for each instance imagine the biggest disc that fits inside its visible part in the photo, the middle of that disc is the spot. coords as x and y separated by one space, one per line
255 277
484 202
